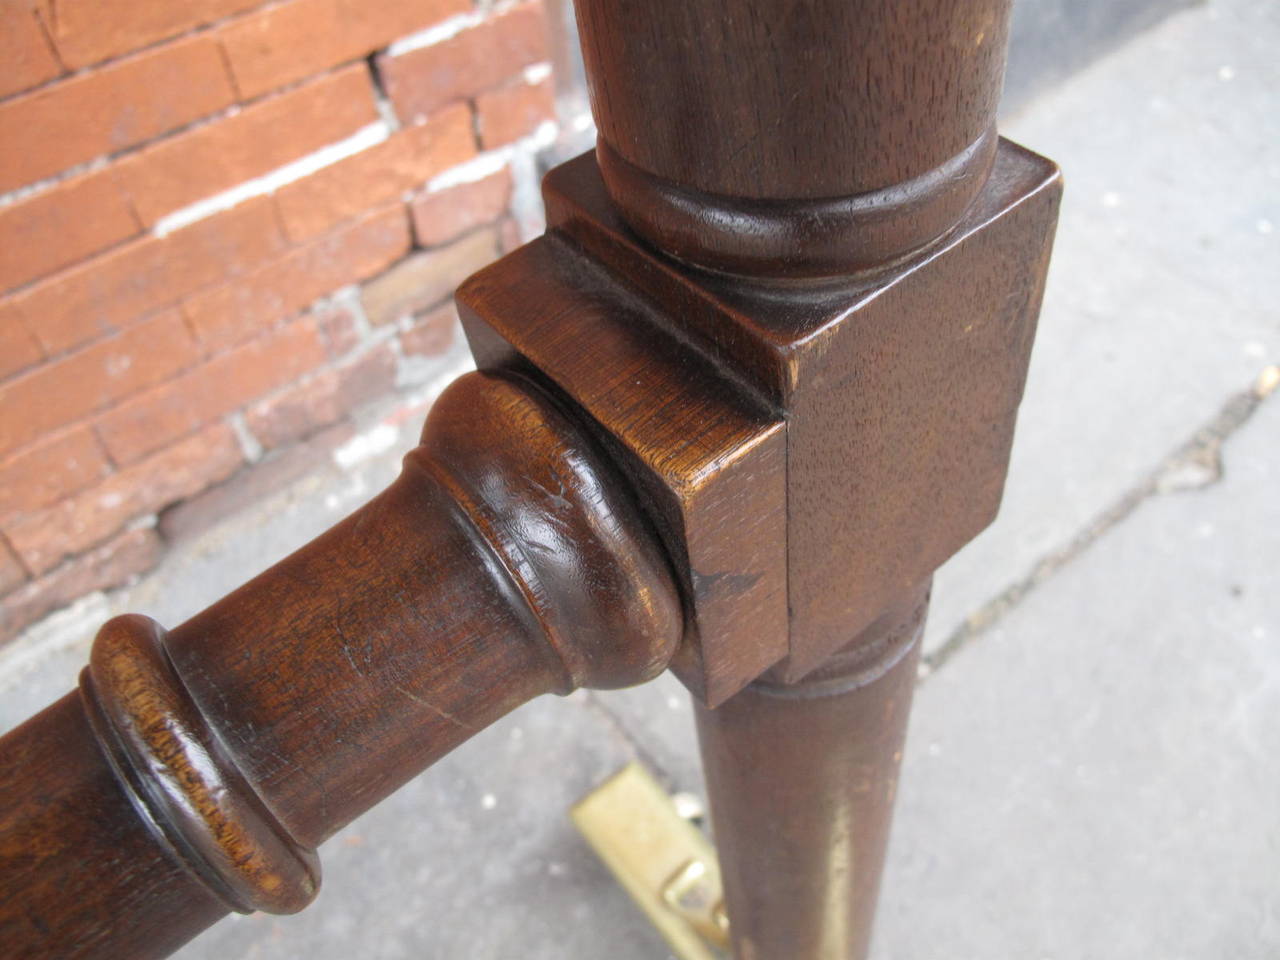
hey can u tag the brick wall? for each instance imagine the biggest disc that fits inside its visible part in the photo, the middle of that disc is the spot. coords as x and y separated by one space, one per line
226 226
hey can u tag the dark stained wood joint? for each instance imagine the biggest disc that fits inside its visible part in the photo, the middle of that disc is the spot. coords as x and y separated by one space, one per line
776 432
756 382
509 559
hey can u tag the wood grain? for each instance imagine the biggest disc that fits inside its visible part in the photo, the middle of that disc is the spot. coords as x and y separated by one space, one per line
784 100
706 453
781 139
196 772
757 381
898 392
812 198
802 778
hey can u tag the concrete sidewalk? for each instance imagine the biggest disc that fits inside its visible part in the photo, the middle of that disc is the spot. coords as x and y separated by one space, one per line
1092 769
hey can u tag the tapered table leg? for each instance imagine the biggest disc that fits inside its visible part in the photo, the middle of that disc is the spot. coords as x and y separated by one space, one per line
802 779
796 287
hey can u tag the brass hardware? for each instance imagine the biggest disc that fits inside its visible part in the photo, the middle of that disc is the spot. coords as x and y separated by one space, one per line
664 862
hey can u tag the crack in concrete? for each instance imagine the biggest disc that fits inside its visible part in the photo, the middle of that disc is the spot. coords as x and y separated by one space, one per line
1194 465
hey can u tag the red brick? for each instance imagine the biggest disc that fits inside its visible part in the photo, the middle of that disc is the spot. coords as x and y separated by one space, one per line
12 573
18 349
513 112
56 468
113 289
87 31
153 419
44 538
424 279
26 58
313 205
62 225
421 81
211 158
250 486
106 110
111 565
241 310
509 237
292 40
324 399
72 387
448 214
432 333
339 330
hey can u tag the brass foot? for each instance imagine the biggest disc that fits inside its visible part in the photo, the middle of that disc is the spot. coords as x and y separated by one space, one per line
661 859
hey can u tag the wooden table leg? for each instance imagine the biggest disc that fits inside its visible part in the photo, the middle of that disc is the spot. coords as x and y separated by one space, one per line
838 224
802 779
760 375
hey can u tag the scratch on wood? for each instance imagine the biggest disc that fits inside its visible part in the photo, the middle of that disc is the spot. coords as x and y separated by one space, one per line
445 714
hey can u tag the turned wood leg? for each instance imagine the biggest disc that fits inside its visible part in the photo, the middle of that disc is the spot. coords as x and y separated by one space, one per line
759 376
802 779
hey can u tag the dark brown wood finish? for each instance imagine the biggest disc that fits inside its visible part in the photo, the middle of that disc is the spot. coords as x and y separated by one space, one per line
812 197
757 381
195 773
777 138
802 780
783 100
897 393
707 454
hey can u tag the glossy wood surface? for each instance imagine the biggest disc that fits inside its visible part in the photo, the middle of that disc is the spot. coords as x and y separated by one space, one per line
707 454
757 381
82 871
813 197
776 139
802 778
814 100
898 393
196 772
